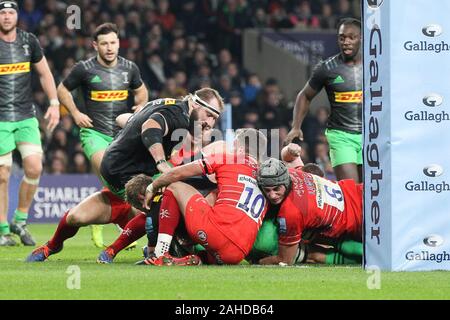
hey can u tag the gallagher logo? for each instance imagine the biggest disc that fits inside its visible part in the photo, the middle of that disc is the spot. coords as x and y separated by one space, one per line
433 170
432 100
433 240
374 3
432 30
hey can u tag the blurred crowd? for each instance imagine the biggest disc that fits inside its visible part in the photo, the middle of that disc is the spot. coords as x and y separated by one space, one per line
181 46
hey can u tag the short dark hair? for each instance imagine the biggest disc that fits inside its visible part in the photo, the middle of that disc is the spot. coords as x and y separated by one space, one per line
313 168
105 28
349 21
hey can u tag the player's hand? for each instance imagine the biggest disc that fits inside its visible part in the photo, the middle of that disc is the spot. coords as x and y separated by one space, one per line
291 152
295 135
82 120
149 193
52 116
137 108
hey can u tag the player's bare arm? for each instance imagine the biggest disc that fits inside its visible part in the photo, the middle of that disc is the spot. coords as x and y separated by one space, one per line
286 254
65 97
176 174
122 119
49 87
140 98
302 102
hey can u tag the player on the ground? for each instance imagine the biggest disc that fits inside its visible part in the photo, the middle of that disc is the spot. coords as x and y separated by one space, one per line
312 248
105 81
341 75
141 146
188 151
309 202
19 128
226 229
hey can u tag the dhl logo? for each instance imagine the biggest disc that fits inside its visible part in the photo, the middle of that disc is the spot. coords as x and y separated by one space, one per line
112 95
14 68
348 97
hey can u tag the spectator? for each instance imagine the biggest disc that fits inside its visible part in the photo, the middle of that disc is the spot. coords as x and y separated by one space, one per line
252 88
175 40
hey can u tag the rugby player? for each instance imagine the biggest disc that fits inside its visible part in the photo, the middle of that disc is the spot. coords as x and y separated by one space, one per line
308 202
105 81
142 146
227 229
135 191
341 75
19 128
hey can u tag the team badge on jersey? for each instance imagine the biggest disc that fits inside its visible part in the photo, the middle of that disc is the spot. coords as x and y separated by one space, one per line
26 48
125 77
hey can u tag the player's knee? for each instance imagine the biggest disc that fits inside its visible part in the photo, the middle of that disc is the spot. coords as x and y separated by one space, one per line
5 172
75 219
33 170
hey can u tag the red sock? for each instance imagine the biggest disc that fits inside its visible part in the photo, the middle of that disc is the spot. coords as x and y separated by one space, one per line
134 230
62 233
169 214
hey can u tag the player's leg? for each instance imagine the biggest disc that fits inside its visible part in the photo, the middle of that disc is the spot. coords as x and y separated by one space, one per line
346 171
175 197
95 209
32 167
28 141
180 194
133 230
97 229
345 154
94 145
5 172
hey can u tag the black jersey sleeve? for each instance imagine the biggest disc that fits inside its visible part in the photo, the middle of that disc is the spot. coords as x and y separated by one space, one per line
136 80
36 51
75 77
174 118
317 80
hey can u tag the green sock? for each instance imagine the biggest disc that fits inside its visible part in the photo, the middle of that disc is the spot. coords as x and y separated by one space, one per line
334 257
350 248
20 216
4 228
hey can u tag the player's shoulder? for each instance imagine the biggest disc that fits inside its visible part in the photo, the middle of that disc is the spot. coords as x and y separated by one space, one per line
25 36
125 63
332 62
86 64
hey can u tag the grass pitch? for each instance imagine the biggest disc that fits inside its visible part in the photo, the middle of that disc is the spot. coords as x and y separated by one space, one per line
123 280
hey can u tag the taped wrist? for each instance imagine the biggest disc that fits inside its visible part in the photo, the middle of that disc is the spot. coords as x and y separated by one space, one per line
151 136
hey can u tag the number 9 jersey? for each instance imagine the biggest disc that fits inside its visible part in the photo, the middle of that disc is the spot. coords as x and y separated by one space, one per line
332 209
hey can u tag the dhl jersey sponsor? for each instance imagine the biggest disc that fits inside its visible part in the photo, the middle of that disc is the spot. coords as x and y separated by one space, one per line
14 68
110 95
348 96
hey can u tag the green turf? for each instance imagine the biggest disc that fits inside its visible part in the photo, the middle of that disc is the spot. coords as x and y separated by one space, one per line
123 280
